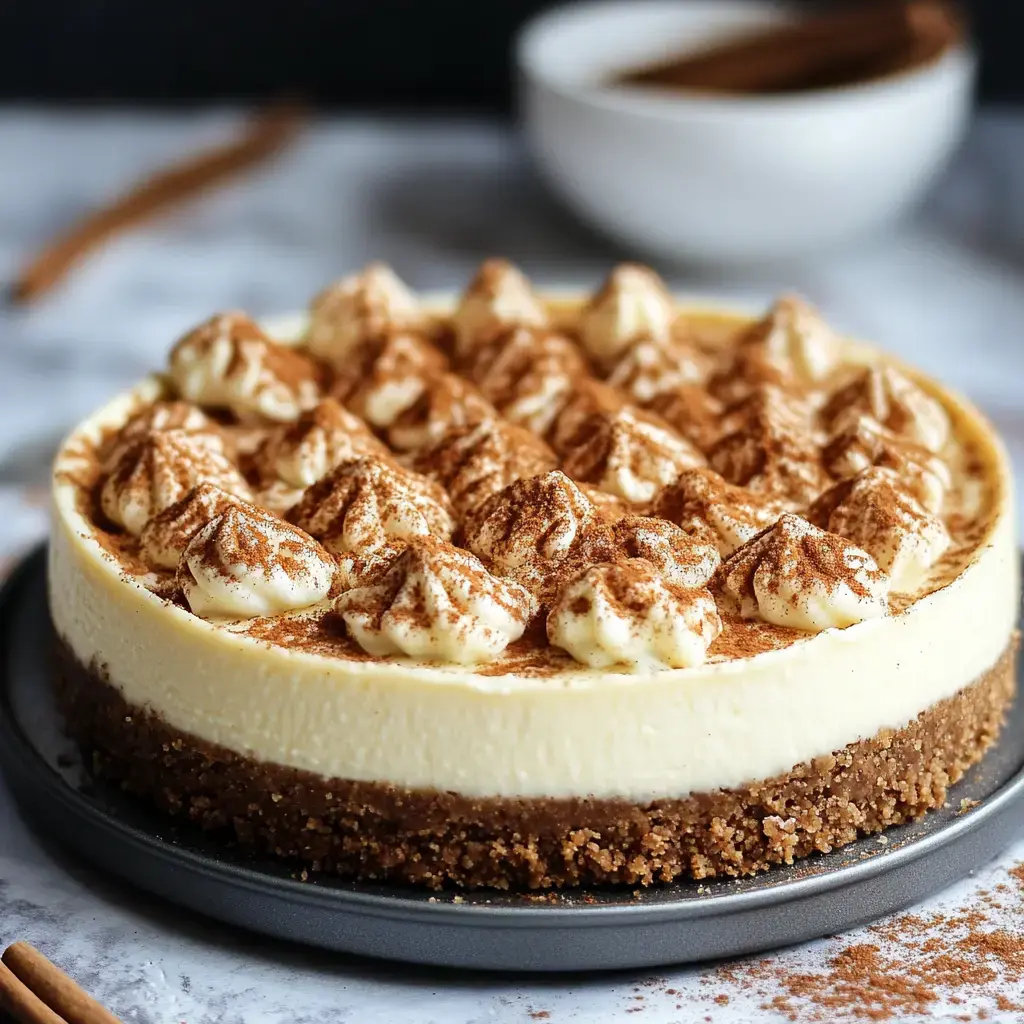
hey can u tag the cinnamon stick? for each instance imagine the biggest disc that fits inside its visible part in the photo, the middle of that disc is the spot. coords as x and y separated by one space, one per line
22 1003
845 45
53 987
155 195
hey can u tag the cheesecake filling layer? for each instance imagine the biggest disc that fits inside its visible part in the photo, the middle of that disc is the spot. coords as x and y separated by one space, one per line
637 736
376 830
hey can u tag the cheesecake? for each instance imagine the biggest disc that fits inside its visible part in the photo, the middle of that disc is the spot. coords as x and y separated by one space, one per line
522 591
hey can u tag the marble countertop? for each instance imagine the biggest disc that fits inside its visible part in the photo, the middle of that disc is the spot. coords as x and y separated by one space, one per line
946 291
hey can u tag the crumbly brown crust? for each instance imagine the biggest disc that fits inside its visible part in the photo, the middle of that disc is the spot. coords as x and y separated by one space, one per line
377 831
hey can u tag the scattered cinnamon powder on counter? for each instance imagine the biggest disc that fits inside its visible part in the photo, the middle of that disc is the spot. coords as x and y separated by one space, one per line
965 965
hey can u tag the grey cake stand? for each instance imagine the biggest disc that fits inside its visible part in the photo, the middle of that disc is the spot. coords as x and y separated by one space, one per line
599 929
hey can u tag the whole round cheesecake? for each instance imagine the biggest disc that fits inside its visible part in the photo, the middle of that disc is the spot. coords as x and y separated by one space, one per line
525 591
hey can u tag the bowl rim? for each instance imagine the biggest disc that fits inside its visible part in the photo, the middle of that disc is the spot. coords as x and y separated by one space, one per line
957 64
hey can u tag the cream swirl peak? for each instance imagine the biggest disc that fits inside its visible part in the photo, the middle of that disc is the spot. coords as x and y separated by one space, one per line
632 305
162 415
531 522
610 507
626 613
359 309
650 368
164 537
498 297
793 574
875 512
364 503
797 342
895 402
863 442
298 454
628 455
529 375
702 502
474 462
162 468
768 447
447 402
229 363
691 412
589 398
439 603
682 558
791 347
389 378
247 563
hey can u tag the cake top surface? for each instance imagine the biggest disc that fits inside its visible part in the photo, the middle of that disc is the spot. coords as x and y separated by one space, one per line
523 485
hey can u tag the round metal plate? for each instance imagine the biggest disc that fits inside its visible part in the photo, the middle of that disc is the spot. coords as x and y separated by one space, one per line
597 929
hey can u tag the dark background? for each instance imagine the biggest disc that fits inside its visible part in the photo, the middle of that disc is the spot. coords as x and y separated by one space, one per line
399 54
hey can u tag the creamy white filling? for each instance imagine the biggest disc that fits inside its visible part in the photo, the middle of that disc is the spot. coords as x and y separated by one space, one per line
638 736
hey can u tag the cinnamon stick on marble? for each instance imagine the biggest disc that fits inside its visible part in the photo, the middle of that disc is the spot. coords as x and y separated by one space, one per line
22 1004
154 195
67 1002
848 44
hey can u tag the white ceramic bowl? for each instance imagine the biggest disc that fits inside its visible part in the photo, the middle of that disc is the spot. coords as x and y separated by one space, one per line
719 179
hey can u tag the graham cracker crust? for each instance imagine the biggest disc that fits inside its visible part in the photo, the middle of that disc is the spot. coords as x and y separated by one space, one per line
377 831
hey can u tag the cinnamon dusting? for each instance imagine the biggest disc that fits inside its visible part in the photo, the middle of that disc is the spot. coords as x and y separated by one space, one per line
791 436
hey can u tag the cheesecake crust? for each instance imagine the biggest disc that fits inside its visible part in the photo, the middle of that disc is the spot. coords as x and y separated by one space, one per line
372 830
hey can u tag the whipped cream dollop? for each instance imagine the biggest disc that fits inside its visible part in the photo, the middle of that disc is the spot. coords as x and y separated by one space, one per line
768 446
528 375
164 537
795 575
358 309
650 368
791 347
475 461
628 455
704 504
162 468
367 504
589 398
247 563
160 415
447 401
626 613
296 455
707 506
894 401
389 378
874 512
685 559
498 297
692 412
632 305
610 507
229 363
532 522
863 442
437 602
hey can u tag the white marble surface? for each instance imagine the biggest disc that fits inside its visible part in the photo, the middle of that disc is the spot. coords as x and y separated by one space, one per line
946 291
